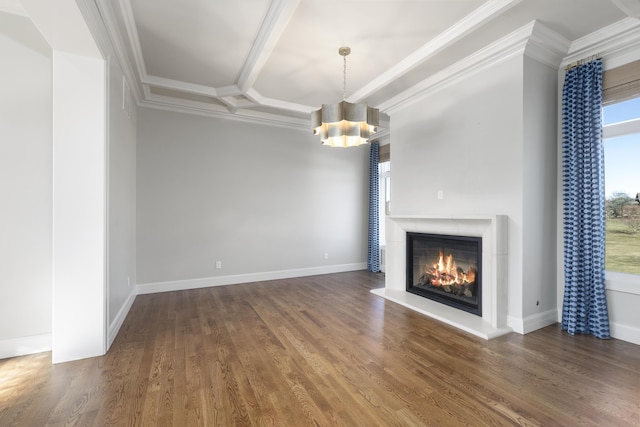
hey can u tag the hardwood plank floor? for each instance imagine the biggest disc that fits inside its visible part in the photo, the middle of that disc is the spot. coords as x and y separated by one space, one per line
320 351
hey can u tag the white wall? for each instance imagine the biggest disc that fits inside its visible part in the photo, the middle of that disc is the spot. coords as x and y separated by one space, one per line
79 207
25 188
257 198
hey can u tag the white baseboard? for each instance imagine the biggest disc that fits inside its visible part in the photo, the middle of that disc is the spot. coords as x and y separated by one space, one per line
625 333
533 322
180 285
540 320
25 345
516 324
116 324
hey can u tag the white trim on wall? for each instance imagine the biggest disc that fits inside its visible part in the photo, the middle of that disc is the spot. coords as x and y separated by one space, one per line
625 332
205 282
622 282
25 345
619 331
534 322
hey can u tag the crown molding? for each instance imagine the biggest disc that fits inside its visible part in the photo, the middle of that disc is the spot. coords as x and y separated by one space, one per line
497 52
255 96
546 46
600 39
382 136
618 43
106 11
92 15
160 102
480 16
132 33
183 86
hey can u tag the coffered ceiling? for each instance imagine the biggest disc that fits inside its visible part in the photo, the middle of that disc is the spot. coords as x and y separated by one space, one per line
277 60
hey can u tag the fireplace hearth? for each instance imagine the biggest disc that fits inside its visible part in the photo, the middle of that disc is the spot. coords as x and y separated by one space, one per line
446 269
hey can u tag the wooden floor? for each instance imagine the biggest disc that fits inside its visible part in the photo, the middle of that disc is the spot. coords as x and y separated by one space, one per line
320 351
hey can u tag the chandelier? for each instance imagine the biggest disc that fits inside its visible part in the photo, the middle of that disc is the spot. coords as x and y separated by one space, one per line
345 124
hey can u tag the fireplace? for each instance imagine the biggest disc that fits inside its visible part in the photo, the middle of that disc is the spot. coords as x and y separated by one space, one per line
446 269
491 231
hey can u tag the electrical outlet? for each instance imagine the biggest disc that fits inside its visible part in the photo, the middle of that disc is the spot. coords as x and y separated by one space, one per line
326 255
128 281
218 264
440 194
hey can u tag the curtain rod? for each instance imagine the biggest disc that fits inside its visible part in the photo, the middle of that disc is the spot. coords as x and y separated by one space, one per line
582 61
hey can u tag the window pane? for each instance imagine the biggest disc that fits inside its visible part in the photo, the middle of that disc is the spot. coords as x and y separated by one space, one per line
622 183
621 111
621 167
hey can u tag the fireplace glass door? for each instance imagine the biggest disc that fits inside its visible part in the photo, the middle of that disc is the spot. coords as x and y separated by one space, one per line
446 269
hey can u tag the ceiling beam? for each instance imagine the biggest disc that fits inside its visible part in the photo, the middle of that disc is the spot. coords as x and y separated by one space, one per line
274 24
480 16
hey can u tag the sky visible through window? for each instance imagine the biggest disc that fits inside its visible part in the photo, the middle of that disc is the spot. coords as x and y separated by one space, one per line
622 154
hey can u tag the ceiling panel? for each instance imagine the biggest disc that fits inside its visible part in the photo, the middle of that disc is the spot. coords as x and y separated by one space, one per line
197 41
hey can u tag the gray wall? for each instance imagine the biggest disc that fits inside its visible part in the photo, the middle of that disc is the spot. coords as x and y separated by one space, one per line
257 198
539 190
25 187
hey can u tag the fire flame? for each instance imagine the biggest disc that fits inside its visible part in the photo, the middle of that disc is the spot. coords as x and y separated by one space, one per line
445 272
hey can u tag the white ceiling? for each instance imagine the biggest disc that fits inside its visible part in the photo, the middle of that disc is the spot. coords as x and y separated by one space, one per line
278 59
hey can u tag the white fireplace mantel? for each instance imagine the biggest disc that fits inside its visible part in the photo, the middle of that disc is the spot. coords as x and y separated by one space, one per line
492 229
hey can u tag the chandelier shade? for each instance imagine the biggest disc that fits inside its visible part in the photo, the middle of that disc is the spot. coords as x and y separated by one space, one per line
345 124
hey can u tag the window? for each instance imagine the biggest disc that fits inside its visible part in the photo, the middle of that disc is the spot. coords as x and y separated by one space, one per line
621 139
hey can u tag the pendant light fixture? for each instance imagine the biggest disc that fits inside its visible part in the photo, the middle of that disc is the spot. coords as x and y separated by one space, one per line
345 124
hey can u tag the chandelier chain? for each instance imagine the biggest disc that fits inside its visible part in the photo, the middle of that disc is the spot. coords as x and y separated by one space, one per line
344 78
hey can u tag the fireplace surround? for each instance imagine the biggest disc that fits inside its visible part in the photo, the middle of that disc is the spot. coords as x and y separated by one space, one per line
490 322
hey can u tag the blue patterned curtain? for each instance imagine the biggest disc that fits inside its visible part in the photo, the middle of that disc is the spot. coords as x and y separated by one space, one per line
584 310
373 256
